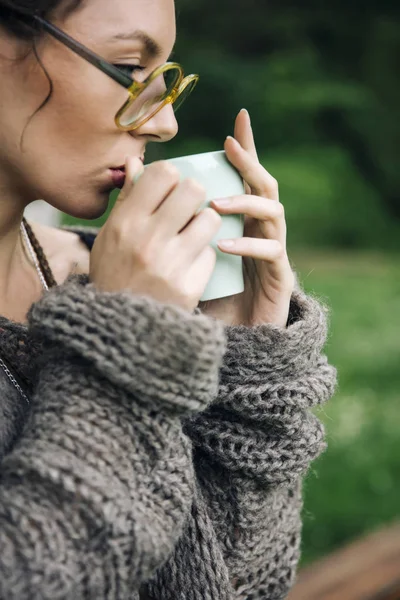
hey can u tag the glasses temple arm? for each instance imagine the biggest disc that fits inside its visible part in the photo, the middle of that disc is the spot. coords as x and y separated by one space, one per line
85 53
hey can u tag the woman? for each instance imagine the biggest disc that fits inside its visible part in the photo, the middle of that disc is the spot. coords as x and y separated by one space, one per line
150 448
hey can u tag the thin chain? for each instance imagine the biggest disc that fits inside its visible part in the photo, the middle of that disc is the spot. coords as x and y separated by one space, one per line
34 257
13 380
45 287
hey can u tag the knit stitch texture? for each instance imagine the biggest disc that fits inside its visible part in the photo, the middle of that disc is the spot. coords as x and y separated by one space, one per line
162 454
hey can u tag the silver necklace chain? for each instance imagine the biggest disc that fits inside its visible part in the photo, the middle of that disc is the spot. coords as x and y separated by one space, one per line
45 287
13 380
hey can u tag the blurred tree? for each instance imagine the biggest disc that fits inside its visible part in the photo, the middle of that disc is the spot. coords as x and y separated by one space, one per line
315 74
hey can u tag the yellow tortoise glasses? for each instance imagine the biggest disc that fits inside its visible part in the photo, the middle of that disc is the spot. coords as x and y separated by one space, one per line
165 85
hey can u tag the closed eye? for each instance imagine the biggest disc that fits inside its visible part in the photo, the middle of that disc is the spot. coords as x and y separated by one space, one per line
129 69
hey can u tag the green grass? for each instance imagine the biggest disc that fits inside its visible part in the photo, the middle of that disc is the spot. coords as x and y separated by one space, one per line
355 486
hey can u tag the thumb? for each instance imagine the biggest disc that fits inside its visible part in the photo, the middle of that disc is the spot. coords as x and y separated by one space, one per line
133 169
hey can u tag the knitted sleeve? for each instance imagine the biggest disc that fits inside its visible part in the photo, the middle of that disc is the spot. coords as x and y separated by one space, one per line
95 494
255 442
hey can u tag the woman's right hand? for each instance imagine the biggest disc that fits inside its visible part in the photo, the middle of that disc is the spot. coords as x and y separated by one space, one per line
153 242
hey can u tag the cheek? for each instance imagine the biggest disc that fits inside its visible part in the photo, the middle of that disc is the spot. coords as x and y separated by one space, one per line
69 141
61 152
74 131
81 109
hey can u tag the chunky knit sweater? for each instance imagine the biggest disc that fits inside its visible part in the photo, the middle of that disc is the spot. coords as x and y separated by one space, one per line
162 453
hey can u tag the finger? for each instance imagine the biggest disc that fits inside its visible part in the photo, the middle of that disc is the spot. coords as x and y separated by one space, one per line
200 269
262 209
243 133
261 182
266 250
155 184
179 208
198 234
133 168
269 213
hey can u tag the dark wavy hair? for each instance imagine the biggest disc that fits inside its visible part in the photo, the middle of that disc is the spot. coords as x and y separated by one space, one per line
15 19
12 14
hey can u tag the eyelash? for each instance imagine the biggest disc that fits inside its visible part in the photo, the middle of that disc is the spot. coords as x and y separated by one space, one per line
129 69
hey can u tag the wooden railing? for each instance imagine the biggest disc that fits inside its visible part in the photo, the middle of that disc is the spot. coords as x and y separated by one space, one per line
368 569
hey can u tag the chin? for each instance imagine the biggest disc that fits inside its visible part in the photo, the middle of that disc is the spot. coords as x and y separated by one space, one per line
88 208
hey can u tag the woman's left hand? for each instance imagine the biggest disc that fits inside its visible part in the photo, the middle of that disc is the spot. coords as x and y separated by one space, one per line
269 279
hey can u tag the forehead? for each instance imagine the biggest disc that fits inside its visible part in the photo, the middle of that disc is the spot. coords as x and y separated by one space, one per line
101 21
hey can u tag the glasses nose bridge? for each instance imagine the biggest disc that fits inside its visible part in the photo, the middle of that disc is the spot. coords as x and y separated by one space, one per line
138 87
173 95
178 89
175 91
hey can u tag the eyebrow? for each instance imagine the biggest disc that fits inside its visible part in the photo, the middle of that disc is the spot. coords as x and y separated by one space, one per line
152 48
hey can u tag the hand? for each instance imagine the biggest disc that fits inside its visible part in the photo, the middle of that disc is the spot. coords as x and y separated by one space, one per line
153 242
269 280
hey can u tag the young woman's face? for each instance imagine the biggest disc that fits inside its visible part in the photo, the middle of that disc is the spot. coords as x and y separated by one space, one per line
70 145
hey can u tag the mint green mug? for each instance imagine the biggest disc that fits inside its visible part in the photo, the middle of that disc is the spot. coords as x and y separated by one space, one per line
220 180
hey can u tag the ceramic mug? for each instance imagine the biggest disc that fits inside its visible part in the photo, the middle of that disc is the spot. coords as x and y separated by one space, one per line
220 180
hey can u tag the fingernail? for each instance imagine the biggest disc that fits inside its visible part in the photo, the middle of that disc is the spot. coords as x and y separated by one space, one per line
229 137
226 243
244 110
222 202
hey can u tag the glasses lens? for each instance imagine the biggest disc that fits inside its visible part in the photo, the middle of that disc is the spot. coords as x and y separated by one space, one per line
150 99
185 89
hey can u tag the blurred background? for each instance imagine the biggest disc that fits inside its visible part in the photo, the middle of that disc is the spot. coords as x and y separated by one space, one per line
321 83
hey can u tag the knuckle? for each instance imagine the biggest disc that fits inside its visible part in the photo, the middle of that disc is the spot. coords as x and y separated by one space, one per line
165 170
169 281
194 187
186 289
188 293
277 249
118 233
274 183
146 255
279 211
212 216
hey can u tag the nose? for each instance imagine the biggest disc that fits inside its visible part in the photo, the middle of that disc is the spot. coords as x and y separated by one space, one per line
162 127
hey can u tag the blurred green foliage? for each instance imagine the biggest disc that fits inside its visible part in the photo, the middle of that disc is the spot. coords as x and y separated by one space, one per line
354 487
321 83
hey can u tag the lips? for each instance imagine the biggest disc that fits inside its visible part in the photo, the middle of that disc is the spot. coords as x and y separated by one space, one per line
118 177
118 174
